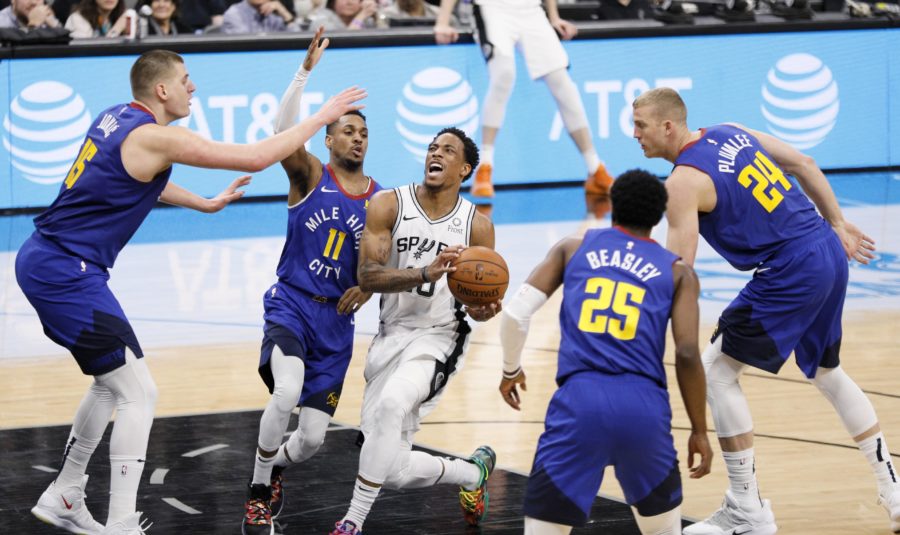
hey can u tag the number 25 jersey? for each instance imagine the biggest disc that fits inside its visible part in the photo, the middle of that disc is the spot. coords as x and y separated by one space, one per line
758 209
617 298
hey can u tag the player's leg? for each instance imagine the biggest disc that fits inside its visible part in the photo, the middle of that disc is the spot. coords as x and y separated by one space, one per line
406 388
135 397
668 523
818 355
284 371
496 33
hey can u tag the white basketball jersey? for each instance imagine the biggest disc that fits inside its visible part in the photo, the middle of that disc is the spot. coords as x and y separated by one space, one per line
416 241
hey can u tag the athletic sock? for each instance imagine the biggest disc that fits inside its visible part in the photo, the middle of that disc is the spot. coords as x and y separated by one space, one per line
741 466
876 451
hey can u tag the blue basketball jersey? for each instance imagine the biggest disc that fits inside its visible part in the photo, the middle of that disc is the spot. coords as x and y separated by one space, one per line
758 209
617 297
322 245
100 206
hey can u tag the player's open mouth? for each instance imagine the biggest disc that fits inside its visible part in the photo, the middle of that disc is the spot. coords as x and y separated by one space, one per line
435 167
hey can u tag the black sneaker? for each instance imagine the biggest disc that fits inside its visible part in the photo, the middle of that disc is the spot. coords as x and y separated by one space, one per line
257 513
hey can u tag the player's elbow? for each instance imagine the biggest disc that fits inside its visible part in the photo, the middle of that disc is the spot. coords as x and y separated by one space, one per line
687 356
803 165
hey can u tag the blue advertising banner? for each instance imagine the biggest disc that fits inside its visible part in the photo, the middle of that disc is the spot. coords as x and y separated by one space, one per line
834 95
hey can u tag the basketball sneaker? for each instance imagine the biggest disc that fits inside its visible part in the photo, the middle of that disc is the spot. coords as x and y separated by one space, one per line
599 182
731 519
474 503
130 525
482 186
891 503
345 528
257 513
65 508
276 502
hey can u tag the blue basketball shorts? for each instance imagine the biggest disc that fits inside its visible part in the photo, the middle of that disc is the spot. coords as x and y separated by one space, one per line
794 302
313 332
75 305
596 420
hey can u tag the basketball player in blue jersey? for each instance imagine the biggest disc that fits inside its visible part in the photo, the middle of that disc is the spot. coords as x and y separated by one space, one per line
122 169
620 288
729 185
308 333
412 234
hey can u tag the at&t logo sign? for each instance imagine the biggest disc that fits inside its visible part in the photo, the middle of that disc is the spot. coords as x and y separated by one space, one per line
800 100
435 98
44 129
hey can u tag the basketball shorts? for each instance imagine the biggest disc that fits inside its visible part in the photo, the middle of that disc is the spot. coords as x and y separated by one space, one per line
313 332
793 303
596 420
75 305
499 31
394 345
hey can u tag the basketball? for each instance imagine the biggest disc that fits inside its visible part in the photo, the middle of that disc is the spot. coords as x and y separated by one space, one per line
481 276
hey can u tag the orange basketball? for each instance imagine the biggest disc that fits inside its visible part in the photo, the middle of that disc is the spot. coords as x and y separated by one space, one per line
481 276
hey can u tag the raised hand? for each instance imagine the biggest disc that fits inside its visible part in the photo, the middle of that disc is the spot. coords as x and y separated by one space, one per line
340 104
316 47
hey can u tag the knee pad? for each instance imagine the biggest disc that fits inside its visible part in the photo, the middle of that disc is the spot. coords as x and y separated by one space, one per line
502 79
730 411
568 100
668 523
852 405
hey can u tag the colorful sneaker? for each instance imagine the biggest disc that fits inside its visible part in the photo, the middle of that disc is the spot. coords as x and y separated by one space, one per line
599 182
65 508
276 502
891 503
482 186
345 528
474 503
257 513
731 519
130 525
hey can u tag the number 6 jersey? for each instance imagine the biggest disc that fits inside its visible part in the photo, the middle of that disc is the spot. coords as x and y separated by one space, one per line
100 206
617 298
758 209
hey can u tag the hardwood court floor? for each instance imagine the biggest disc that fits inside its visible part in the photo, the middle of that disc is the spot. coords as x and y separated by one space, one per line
807 465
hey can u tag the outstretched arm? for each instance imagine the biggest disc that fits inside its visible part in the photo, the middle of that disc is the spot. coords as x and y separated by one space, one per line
375 252
178 196
857 245
688 367
151 148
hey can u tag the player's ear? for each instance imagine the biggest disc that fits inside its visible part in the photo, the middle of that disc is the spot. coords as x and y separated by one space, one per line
161 91
328 141
466 169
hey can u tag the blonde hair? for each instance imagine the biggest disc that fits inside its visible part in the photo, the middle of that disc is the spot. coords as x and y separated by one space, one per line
150 68
666 104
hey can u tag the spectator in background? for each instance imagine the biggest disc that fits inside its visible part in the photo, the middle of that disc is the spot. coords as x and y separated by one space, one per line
302 8
346 15
97 18
63 8
623 9
407 9
27 15
200 15
164 20
258 16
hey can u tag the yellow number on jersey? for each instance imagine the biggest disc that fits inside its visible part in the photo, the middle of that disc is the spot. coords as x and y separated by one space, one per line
88 150
331 249
765 174
621 298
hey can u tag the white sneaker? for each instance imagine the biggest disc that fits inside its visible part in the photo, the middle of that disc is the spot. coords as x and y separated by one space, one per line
130 525
891 503
731 519
65 508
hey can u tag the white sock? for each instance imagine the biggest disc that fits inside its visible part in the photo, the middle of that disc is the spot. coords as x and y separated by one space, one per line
487 154
124 478
363 498
90 422
75 460
876 451
591 160
262 469
461 472
741 467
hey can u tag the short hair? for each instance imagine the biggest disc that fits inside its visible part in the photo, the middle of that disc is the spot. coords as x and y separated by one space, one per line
150 68
666 102
638 199
331 126
470 149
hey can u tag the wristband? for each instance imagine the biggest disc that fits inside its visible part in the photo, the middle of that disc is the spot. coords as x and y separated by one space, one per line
513 374
425 274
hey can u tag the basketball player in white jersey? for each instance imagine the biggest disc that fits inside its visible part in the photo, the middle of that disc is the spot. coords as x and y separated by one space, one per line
411 235
501 26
